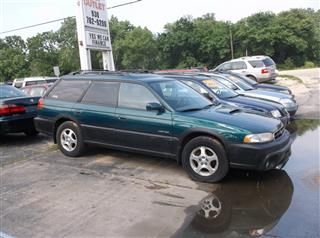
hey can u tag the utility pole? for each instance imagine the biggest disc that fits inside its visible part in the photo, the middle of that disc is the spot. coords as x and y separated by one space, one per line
231 43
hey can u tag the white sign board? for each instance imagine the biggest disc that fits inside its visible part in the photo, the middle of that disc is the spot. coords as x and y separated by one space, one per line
93 32
97 40
56 71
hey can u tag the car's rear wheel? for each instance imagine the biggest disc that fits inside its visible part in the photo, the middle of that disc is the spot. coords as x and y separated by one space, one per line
252 77
205 159
69 139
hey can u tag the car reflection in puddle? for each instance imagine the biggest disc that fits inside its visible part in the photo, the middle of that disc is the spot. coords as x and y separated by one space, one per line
252 204
246 204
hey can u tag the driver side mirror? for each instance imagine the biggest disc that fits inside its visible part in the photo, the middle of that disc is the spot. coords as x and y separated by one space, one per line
154 106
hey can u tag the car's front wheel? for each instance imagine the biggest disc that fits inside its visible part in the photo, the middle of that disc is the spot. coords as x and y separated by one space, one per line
205 159
69 139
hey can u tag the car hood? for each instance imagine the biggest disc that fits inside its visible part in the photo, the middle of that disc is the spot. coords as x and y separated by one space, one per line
269 95
272 87
255 103
228 118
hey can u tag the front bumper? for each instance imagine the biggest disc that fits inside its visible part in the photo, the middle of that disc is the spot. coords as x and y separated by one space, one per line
262 157
292 110
16 125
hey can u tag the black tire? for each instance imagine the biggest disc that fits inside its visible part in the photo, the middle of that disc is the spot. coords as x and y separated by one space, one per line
78 146
31 132
221 161
252 77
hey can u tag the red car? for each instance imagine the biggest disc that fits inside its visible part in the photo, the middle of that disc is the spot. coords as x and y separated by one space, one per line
37 90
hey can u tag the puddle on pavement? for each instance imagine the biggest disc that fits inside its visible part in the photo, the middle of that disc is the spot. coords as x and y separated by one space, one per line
278 203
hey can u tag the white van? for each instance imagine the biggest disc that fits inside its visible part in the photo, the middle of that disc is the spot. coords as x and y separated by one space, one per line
22 82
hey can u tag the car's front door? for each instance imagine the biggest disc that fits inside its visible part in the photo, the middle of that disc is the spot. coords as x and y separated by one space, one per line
140 128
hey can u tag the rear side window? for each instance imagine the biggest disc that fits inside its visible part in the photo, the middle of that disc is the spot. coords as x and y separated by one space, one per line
135 96
226 66
28 83
69 90
256 63
238 65
102 93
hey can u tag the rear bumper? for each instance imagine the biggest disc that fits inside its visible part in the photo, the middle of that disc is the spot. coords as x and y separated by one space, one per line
261 156
44 125
16 125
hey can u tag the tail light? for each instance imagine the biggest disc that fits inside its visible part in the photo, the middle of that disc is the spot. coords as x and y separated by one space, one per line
264 71
40 104
6 110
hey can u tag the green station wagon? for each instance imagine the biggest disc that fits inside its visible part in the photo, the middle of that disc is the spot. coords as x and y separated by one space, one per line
162 117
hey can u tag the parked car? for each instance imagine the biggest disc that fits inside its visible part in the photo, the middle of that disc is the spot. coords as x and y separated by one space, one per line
162 117
220 93
247 90
262 86
23 82
37 90
259 68
17 111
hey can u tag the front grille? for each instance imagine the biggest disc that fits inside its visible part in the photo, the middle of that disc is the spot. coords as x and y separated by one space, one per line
279 133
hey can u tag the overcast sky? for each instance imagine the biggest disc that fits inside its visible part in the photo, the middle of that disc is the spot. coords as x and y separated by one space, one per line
153 14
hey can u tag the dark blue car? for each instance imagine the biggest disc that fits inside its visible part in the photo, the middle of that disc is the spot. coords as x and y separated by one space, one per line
222 94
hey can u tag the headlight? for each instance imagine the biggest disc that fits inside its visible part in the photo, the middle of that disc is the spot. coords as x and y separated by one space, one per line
276 113
258 138
287 102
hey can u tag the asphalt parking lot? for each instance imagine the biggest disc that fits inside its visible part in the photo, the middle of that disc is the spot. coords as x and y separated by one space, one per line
115 194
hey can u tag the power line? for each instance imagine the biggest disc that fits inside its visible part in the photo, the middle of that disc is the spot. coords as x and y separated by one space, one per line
61 19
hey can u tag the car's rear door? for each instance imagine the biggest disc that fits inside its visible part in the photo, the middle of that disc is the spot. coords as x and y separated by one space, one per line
96 112
139 128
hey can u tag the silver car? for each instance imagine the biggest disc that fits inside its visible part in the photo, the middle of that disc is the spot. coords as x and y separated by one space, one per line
259 68
287 100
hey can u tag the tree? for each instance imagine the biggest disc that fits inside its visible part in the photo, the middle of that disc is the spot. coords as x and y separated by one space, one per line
68 54
139 49
13 63
42 53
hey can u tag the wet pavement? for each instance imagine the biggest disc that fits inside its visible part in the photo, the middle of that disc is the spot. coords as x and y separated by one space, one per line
115 194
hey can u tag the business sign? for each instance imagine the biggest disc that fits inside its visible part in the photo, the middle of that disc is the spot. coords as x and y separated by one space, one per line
93 32
95 14
97 40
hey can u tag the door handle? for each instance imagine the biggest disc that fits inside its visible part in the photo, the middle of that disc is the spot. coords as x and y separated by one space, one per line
122 118
77 112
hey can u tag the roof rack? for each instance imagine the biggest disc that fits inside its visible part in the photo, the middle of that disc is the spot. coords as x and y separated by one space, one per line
139 71
96 72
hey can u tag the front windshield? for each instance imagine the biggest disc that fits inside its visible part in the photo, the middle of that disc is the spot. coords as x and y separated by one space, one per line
245 86
219 89
180 96
7 91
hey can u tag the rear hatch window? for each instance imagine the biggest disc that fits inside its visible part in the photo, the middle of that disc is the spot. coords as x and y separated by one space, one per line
268 62
10 92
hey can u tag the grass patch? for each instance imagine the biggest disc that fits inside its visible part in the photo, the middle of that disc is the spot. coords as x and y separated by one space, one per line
291 77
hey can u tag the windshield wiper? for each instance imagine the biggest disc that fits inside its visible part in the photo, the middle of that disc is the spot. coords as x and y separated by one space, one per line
197 108
208 106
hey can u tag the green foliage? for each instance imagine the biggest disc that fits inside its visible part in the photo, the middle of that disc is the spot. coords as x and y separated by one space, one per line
68 55
13 63
139 49
309 64
291 38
